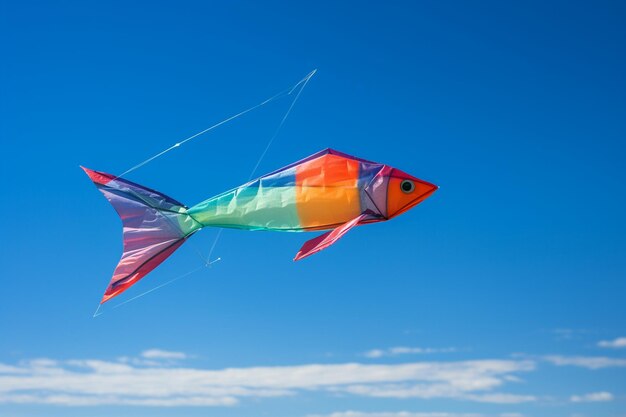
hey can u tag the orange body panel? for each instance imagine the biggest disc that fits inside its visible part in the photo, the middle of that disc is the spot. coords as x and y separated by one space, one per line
327 191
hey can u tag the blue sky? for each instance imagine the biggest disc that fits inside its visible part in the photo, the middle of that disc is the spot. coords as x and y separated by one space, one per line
502 295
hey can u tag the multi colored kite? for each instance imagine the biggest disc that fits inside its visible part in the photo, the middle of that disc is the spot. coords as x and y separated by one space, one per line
326 191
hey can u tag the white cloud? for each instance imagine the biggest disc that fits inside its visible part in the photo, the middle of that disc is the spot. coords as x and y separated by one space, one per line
393 414
374 353
96 382
592 397
403 350
154 357
351 413
502 398
618 343
8 369
92 400
162 354
589 362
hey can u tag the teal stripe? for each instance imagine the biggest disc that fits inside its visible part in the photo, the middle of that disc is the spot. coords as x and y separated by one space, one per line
250 207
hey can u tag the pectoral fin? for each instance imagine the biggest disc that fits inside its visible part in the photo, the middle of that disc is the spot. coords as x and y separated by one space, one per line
325 240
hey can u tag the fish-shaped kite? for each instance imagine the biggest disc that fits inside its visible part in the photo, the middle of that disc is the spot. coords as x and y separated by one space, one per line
329 190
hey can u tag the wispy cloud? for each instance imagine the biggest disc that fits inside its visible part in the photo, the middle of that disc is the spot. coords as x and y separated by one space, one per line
96 382
435 391
501 398
393 414
618 343
154 357
162 354
589 362
403 350
409 414
592 397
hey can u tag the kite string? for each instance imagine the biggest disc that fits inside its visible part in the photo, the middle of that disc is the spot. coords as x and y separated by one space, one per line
287 91
206 265
269 144
282 122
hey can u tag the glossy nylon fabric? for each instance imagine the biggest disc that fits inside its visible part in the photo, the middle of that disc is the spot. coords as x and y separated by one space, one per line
320 192
154 226
329 190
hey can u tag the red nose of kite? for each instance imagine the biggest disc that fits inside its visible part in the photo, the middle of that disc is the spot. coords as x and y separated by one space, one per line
405 192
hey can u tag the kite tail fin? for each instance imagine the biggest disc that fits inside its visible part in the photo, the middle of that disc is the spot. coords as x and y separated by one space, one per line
155 225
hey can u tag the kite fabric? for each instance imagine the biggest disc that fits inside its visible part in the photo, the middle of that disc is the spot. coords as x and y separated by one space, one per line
329 190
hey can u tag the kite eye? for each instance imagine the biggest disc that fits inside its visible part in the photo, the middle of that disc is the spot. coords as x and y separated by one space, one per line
407 186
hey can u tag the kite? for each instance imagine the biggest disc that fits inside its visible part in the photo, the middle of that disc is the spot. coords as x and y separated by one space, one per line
328 191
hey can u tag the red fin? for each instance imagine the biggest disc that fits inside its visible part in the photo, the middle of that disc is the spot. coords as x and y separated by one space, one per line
325 240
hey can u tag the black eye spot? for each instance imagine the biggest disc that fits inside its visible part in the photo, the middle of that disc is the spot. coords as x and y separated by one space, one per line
407 186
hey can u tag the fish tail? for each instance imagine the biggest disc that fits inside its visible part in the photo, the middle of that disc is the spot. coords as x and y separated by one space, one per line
154 226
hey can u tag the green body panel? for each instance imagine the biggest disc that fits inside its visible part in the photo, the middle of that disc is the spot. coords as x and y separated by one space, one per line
250 208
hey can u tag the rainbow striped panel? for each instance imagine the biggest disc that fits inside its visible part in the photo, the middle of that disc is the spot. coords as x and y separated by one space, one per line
317 193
